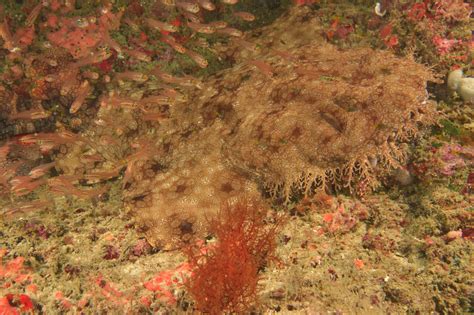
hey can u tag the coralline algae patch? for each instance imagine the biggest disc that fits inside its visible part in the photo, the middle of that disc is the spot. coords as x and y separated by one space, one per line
319 119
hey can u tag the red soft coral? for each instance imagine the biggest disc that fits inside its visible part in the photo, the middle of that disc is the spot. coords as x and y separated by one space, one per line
77 41
225 278
80 37
444 45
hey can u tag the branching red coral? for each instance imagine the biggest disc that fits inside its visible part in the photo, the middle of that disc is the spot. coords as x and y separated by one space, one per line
225 278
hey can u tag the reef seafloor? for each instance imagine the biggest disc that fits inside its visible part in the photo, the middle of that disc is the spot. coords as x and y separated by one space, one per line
248 157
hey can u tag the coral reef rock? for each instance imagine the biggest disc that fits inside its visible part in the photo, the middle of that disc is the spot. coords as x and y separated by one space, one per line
464 86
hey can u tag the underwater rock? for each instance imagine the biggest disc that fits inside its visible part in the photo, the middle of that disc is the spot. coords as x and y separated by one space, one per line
403 176
454 77
464 86
466 90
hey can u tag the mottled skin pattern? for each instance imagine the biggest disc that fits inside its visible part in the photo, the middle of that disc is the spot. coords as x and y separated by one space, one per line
318 118
326 119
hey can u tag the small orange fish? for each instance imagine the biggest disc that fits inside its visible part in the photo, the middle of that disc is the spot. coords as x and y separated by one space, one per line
62 137
141 56
218 24
8 171
156 99
128 173
192 17
263 67
169 91
96 57
110 20
51 77
149 116
70 4
5 34
245 44
46 147
187 81
168 2
4 150
28 139
64 185
174 95
103 121
90 75
63 182
66 136
41 170
81 96
109 41
30 20
105 175
187 6
230 31
229 1
24 207
162 26
139 155
246 16
190 81
172 42
91 158
119 101
91 193
108 140
33 114
201 28
163 75
308 71
197 58
140 143
132 24
284 54
132 76
23 185
67 81
206 4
